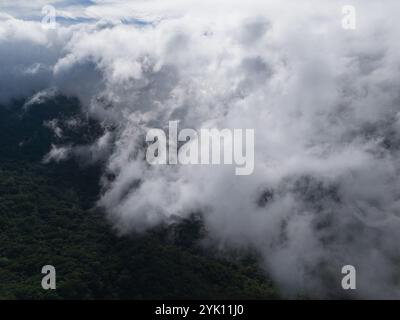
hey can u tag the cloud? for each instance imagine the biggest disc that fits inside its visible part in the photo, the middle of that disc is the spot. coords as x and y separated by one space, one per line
324 103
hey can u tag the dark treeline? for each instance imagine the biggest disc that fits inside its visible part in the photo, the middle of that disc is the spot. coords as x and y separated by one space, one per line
48 216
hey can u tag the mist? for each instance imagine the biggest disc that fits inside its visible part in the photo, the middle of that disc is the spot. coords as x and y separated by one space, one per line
323 101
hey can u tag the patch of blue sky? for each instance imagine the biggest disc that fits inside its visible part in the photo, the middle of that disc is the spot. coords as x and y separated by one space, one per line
70 12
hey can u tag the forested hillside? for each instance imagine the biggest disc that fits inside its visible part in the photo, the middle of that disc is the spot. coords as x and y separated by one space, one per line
48 216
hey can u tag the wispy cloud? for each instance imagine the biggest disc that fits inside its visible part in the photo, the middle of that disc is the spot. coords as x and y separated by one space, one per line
324 103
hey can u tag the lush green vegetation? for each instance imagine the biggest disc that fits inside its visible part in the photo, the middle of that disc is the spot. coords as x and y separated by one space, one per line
47 217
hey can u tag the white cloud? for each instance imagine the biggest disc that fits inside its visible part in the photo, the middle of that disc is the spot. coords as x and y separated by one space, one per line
324 103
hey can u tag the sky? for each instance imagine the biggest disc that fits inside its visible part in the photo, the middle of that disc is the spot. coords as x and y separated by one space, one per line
323 101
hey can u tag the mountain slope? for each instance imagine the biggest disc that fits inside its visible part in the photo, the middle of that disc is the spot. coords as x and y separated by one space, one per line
47 217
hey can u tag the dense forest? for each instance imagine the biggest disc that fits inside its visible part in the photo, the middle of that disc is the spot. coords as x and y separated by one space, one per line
48 215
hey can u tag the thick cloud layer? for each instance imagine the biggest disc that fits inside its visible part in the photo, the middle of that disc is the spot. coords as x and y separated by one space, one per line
324 103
